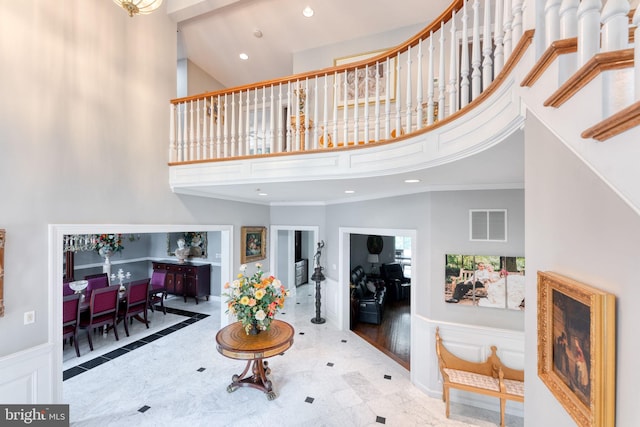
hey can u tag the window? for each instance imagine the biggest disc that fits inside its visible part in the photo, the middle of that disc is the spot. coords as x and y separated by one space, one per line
403 254
488 225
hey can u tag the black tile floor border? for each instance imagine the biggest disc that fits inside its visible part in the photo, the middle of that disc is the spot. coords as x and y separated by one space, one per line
83 367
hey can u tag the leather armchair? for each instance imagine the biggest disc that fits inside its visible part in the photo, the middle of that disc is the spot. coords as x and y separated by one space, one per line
398 285
369 297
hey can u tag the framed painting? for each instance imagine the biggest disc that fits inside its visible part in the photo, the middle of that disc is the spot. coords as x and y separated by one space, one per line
253 244
2 241
576 347
367 79
493 281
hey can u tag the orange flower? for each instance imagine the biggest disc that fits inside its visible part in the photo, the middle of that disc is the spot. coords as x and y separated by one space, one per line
252 302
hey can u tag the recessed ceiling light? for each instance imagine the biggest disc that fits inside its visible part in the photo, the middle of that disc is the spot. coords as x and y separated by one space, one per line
244 56
349 191
411 181
262 194
308 12
257 34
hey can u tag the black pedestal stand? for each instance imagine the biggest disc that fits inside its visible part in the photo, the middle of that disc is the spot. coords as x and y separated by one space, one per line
317 277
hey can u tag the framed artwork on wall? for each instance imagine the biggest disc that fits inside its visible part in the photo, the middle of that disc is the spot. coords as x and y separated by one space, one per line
576 348
493 281
253 244
368 78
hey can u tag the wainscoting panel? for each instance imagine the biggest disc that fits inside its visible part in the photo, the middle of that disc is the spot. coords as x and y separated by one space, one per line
470 342
26 377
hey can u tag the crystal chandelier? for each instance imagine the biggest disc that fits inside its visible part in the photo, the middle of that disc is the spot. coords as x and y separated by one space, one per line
142 7
79 242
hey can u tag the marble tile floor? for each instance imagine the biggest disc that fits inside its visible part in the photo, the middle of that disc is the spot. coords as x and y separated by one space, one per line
328 378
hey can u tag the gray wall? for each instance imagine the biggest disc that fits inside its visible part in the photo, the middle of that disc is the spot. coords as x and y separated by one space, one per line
82 142
577 227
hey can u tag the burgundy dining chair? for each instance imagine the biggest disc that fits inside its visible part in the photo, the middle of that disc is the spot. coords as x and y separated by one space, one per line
103 311
96 281
66 290
158 290
136 302
71 318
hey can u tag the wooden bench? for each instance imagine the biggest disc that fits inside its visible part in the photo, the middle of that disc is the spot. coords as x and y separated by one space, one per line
490 377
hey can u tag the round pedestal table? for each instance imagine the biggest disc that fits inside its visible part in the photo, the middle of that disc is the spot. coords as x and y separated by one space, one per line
233 342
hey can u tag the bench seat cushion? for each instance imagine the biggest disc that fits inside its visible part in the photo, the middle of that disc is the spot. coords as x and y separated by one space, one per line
514 387
472 379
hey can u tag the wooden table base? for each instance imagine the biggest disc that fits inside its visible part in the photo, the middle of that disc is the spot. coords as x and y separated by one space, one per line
258 378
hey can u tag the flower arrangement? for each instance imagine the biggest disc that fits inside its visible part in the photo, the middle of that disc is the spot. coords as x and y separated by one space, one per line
255 299
108 243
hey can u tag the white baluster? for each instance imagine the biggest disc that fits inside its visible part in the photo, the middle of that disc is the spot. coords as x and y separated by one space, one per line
192 136
280 124
376 128
419 99
636 50
172 136
409 95
219 128
430 83
272 123
224 127
615 25
254 146
366 105
183 142
506 24
516 26
264 121
398 100
441 77
247 126
569 18
289 131
453 69
198 141
464 59
498 54
211 126
336 90
487 62
356 107
205 131
241 118
476 62
345 112
305 124
325 110
552 21
315 114
387 104
232 126
588 30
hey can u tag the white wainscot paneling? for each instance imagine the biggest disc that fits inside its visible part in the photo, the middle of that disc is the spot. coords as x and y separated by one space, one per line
26 377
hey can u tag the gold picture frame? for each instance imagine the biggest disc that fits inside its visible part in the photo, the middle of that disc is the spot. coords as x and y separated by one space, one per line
376 74
576 347
253 244
2 242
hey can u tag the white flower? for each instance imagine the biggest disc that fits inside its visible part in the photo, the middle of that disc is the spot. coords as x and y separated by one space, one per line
260 315
235 284
243 268
276 283
259 266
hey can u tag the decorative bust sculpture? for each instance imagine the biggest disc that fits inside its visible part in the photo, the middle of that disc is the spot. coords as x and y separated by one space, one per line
182 252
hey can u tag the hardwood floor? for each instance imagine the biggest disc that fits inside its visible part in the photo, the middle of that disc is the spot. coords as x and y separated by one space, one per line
393 335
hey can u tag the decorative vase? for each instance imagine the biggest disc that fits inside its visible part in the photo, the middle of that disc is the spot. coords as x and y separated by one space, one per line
106 254
254 330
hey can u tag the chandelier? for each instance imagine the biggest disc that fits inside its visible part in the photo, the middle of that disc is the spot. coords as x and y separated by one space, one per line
142 7
79 242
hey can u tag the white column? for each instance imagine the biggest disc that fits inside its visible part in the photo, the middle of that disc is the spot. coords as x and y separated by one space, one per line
588 30
615 25
569 18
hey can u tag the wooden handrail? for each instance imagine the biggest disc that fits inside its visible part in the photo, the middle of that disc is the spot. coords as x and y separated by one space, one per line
614 60
615 124
444 17
557 48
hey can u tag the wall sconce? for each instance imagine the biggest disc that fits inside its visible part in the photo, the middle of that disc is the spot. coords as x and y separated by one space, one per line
373 259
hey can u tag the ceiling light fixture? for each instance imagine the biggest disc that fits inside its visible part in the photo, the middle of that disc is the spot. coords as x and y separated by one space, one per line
135 7
257 34
349 191
244 56
308 12
411 181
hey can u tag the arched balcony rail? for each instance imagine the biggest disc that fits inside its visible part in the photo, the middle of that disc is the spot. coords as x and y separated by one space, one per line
414 87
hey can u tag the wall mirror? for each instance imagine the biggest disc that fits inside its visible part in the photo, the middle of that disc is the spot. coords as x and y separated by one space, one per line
196 241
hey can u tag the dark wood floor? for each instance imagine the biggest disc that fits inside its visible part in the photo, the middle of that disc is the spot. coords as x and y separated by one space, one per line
393 335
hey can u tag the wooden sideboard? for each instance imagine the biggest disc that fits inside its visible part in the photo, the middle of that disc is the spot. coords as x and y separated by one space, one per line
187 280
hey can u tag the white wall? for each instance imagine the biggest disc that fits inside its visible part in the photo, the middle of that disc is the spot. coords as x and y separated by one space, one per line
576 226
